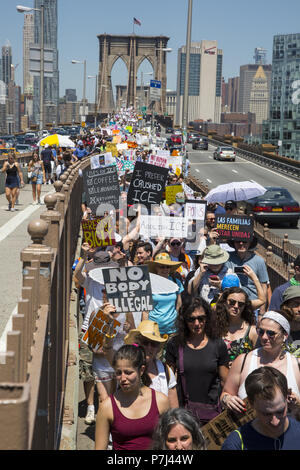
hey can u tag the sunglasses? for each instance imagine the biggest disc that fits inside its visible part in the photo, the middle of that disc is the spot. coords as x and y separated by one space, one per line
175 243
232 303
270 333
200 318
148 342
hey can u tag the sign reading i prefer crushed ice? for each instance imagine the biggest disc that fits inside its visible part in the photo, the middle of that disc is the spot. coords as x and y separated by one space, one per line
128 288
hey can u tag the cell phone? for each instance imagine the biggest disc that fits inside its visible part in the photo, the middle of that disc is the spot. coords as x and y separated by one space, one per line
214 277
239 269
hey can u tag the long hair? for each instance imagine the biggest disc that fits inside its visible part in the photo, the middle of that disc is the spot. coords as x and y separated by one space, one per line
222 318
177 416
136 355
188 307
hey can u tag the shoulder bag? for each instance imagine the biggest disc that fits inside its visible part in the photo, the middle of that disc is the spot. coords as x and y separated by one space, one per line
203 412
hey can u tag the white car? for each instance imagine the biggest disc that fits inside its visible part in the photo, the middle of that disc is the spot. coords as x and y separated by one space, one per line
225 153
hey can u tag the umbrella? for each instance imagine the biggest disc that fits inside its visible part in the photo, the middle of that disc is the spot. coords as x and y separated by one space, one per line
57 139
159 284
235 191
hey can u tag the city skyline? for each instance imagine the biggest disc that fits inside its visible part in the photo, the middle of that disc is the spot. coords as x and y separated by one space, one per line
77 37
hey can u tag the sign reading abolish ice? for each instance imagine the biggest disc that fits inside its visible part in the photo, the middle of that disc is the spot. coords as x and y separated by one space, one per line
147 184
128 288
234 227
152 226
101 186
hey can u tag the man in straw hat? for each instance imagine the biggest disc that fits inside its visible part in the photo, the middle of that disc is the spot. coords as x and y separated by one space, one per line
162 377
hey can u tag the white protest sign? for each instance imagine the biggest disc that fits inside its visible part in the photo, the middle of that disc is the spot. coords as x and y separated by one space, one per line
158 161
152 226
121 147
195 210
163 153
95 162
109 160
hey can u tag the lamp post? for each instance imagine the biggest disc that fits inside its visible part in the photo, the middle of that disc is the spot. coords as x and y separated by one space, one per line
96 91
24 9
84 86
187 75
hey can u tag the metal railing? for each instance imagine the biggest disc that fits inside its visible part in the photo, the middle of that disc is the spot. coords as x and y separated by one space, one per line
34 367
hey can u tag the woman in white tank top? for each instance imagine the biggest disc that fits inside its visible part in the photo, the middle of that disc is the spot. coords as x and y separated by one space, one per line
273 330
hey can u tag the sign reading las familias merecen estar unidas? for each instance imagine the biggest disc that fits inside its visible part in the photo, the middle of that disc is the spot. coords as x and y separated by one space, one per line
234 227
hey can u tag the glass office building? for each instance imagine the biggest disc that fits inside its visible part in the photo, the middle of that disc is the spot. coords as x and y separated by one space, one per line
283 127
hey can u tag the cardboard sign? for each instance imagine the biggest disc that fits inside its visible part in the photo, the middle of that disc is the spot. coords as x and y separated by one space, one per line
234 227
110 147
98 232
216 431
98 327
171 192
195 210
147 184
152 226
128 288
101 186
158 161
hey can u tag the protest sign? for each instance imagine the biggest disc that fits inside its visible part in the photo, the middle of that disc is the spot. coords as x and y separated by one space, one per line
216 431
101 186
121 147
110 147
234 227
147 184
158 161
195 210
109 160
98 327
175 162
152 226
98 232
171 192
128 288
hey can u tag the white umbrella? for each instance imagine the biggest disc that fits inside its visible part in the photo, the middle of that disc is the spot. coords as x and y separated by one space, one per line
159 284
235 191
57 139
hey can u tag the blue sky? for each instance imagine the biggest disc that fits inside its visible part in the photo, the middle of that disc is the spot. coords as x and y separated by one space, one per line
238 27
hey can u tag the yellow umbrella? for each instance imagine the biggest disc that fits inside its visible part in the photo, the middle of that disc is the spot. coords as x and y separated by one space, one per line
56 139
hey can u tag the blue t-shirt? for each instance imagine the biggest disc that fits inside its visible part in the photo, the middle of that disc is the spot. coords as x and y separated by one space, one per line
80 153
277 296
258 265
164 312
253 440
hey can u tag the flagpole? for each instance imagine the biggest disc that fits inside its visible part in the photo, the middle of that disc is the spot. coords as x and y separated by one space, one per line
133 26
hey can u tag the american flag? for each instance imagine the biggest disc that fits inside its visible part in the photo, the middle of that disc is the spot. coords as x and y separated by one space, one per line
119 164
135 21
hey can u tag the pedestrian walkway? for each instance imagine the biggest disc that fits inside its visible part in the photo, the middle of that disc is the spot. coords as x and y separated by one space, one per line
13 238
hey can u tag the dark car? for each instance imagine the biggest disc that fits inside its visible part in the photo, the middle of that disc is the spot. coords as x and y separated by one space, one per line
276 205
169 130
200 143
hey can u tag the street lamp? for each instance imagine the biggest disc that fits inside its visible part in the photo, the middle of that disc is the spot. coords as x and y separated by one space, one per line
96 91
73 61
187 78
24 9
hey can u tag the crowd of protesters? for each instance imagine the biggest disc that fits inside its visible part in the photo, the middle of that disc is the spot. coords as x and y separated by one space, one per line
209 343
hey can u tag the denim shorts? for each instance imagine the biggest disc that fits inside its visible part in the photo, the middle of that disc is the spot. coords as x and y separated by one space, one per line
38 181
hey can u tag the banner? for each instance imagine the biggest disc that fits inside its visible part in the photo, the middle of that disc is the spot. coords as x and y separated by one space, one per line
171 192
98 232
101 186
147 184
98 327
158 161
128 288
152 226
234 227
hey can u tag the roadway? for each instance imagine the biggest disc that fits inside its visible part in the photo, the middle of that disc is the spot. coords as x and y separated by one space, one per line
213 172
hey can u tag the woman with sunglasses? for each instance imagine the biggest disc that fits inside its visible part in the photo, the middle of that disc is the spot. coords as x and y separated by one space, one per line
273 330
199 359
235 321
162 377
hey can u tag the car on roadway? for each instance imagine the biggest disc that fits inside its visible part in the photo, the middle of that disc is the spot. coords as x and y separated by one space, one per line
169 130
24 148
225 153
200 143
275 205
190 137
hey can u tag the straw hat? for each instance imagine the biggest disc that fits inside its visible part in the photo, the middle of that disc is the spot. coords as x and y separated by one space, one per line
165 260
147 328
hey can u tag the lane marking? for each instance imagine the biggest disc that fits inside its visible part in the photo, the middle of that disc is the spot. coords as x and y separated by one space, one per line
197 170
234 171
208 180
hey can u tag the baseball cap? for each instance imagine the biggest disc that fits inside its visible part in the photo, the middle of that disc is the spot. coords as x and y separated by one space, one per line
230 204
230 280
291 293
180 197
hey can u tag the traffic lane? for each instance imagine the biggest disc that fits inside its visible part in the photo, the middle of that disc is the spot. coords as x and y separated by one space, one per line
213 173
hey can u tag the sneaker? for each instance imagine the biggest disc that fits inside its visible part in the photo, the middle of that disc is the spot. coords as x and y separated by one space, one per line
34 203
90 417
12 209
9 206
39 202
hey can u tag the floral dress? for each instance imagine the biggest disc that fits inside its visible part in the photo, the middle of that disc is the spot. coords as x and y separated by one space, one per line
239 346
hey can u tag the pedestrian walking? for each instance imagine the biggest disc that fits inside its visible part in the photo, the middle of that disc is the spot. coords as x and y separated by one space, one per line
36 175
13 172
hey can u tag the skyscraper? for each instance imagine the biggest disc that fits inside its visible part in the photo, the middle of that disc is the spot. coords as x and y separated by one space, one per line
259 97
6 63
260 56
51 84
247 74
205 82
283 127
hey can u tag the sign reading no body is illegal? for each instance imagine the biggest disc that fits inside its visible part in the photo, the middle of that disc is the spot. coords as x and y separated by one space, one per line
101 186
128 288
